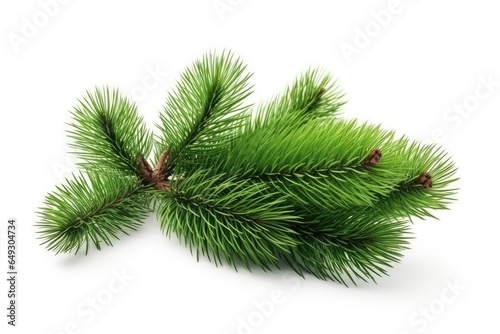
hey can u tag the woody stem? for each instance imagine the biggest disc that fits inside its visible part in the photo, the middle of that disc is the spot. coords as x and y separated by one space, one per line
156 177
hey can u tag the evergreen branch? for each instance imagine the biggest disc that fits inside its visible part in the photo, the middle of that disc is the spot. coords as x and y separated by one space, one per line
359 242
203 113
319 145
92 209
348 246
108 132
156 177
412 198
223 219
335 189
290 182
324 163
313 95
229 220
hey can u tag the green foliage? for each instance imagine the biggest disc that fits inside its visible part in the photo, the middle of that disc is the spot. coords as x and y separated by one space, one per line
92 208
222 217
345 245
410 199
285 183
108 132
205 111
319 163
312 95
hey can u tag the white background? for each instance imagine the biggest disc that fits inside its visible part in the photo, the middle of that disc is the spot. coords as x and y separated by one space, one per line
412 72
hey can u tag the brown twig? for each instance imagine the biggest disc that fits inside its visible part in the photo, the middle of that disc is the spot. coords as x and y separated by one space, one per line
156 177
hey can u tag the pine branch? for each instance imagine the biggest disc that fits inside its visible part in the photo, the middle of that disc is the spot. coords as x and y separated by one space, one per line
426 187
348 247
109 133
321 164
318 145
313 95
326 165
205 110
360 242
93 208
292 183
223 219
412 197
231 221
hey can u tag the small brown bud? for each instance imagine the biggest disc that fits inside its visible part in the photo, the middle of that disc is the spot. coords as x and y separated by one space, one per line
425 180
373 158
